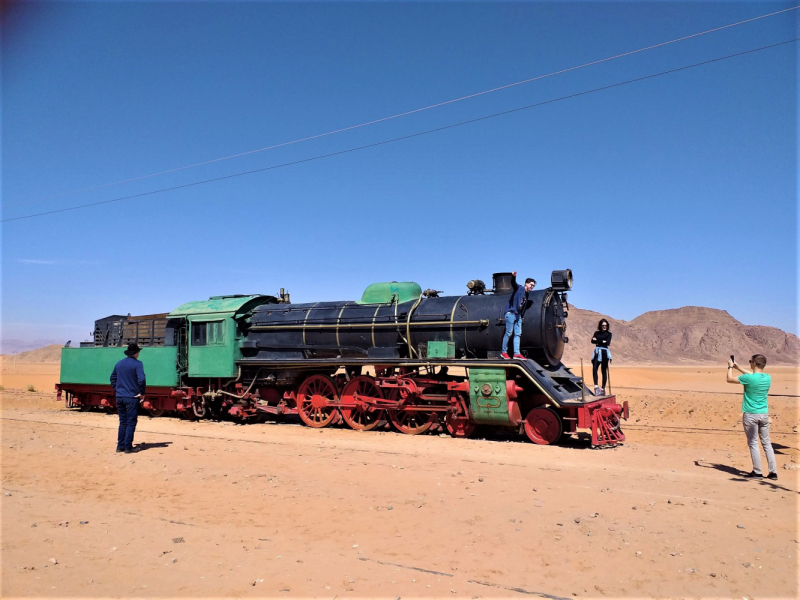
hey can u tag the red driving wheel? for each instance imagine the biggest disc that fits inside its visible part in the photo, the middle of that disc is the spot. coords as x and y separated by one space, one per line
316 401
362 416
457 420
459 426
412 422
543 426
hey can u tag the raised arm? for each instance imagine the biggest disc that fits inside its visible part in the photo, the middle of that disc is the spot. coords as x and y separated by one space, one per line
731 376
742 369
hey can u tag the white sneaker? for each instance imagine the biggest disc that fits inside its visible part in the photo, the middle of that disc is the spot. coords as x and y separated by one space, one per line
596 391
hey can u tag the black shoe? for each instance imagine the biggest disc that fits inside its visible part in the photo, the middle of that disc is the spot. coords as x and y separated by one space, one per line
750 475
772 476
120 449
135 450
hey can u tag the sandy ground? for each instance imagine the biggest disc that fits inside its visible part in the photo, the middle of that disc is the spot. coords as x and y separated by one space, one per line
42 376
280 510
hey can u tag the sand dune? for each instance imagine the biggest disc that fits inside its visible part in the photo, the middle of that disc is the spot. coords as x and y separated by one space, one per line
47 354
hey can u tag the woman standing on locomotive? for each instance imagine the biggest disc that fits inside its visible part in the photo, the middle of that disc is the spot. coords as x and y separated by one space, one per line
602 355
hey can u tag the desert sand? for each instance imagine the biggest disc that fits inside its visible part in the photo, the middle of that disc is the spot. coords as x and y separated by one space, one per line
42 376
281 510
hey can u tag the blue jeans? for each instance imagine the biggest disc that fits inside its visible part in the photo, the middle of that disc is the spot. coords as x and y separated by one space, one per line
513 325
128 409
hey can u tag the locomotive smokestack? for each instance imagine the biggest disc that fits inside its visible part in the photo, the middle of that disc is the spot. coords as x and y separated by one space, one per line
501 282
561 281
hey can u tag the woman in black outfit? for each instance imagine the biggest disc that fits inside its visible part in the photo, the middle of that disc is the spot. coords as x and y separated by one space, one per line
602 355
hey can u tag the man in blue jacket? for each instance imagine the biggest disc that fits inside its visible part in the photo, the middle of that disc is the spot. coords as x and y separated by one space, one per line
129 384
514 312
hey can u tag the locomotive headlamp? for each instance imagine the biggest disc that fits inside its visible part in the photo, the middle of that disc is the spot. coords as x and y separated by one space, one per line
561 281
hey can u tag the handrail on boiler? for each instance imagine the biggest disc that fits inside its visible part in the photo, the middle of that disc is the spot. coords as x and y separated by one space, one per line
480 323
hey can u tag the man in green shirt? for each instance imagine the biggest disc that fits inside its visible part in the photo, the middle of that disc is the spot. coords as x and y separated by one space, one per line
755 412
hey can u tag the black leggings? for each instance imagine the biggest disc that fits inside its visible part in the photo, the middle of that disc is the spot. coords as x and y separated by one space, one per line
596 364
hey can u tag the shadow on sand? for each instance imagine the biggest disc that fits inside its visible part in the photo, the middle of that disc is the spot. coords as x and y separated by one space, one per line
149 446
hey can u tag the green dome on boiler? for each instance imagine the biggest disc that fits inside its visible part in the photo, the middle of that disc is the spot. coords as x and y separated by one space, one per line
386 293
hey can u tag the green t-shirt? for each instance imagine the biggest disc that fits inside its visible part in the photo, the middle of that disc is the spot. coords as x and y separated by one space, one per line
756 386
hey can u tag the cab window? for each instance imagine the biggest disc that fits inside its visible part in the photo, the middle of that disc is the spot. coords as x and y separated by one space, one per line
199 334
209 333
215 333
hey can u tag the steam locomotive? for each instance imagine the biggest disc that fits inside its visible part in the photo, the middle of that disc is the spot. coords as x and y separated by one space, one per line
402 356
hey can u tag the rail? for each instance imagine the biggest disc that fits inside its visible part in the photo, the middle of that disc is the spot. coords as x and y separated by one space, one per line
739 393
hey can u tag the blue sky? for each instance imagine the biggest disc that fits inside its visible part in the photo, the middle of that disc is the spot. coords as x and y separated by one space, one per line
680 190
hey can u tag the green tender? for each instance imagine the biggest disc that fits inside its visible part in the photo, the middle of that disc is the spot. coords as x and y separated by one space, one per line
93 366
393 291
491 409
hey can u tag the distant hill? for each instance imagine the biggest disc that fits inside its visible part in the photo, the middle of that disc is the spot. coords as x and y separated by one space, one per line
47 354
680 335
10 345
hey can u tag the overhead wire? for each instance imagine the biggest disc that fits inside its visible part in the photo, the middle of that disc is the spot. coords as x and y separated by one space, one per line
400 138
409 112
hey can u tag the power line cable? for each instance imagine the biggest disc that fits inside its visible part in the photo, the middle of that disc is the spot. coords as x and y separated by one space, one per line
409 112
397 139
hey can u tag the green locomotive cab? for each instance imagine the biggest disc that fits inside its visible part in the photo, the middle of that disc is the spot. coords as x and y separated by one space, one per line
211 335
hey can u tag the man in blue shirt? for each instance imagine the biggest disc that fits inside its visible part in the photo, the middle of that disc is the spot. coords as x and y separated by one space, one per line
129 384
515 309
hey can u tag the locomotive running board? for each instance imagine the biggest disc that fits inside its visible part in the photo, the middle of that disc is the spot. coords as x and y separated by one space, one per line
561 386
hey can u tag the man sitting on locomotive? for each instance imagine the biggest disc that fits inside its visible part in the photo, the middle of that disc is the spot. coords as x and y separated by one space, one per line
515 310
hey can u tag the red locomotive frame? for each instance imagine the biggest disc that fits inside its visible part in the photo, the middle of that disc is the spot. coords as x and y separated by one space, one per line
411 401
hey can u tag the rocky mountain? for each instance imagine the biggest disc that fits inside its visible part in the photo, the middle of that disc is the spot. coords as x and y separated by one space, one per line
680 335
